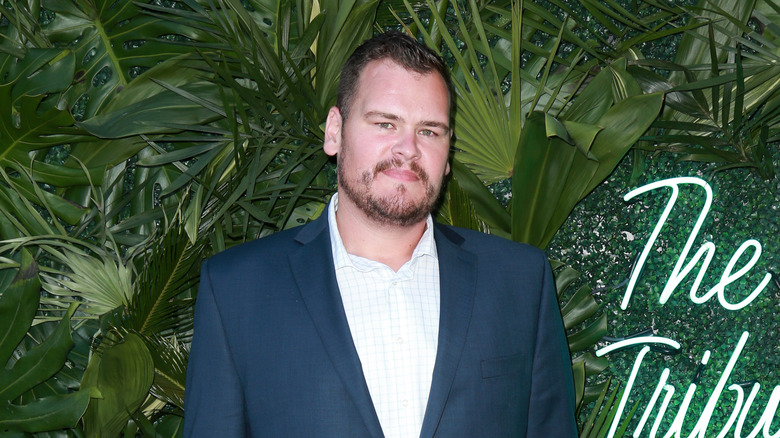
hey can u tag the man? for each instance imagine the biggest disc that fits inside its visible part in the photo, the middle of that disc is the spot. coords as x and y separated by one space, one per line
372 320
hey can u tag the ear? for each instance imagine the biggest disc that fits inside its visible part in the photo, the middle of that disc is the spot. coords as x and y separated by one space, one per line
332 143
447 168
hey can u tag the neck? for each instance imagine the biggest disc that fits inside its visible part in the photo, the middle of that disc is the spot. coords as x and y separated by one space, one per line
392 245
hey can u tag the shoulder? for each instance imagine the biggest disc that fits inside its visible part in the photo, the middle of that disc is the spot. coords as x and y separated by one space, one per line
267 252
487 245
273 243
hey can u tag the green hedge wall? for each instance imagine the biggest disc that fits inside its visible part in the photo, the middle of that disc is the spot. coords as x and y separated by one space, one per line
605 234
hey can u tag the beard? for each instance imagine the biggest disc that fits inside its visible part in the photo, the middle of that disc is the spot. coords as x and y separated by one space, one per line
395 209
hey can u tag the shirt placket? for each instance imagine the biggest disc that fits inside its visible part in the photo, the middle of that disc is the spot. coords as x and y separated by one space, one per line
405 362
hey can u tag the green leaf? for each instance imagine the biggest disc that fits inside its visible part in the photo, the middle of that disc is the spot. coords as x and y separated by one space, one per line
587 337
593 101
594 418
38 363
32 127
25 187
578 369
579 308
593 365
146 116
110 41
692 50
39 72
18 303
45 414
541 166
456 209
170 370
621 126
19 216
485 204
348 23
122 373
169 270
564 276
33 368
170 426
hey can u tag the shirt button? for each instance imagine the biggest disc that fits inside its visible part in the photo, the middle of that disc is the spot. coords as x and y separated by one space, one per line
399 340
393 283
405 403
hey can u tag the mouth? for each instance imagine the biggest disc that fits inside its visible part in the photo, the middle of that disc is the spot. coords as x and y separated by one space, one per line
395 170
402 174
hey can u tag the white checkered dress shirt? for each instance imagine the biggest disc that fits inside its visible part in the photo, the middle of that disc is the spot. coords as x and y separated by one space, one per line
394 321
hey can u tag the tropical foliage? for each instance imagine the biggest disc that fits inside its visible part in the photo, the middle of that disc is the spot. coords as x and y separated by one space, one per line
30 363
137 138
723 85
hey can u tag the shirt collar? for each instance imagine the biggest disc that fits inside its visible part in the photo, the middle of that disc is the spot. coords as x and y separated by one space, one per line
342 259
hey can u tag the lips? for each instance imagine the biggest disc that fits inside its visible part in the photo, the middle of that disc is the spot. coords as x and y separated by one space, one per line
401 174
394 170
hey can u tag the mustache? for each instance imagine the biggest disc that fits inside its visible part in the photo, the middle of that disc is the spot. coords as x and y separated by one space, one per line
396 163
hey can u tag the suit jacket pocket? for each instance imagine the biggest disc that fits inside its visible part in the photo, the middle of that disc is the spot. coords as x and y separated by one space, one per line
501 366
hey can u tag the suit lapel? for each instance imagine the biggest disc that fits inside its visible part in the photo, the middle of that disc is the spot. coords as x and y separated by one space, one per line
457 273
319 289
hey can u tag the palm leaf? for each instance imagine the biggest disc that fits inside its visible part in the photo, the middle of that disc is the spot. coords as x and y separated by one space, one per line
170 370
23 218
602 415
168 270
494 215
724 90
457 209
348 23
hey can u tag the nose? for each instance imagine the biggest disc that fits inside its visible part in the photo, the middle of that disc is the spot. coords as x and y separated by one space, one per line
406 147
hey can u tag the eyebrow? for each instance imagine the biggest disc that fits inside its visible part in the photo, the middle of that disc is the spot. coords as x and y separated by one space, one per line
389 116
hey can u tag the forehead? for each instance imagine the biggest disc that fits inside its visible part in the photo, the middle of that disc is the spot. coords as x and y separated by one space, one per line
388 82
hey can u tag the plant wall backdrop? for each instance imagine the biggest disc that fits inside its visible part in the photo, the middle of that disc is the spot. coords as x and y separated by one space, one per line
137 138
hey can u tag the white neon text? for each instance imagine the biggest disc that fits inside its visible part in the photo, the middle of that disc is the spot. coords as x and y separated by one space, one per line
707 250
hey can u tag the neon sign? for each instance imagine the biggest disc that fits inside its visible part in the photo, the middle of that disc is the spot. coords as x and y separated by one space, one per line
707 250
682 269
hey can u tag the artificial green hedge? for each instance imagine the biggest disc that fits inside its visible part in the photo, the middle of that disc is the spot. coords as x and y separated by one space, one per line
605 234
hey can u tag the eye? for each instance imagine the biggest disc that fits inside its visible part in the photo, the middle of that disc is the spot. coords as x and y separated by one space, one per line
385 125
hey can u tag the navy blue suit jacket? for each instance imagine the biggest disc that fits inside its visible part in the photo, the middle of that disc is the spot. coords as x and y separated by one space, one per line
272 354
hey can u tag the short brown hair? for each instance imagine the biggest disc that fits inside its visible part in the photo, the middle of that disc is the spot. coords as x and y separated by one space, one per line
397 47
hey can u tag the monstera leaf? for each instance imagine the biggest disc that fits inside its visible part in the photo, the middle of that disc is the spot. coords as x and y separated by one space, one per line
30 368
585 327
112 42
37 72
31 121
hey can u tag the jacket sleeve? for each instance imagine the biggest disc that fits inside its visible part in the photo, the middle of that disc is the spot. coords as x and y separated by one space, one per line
551 410
213 401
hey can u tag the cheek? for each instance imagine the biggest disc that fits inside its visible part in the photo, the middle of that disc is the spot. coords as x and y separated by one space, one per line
442 164
360 154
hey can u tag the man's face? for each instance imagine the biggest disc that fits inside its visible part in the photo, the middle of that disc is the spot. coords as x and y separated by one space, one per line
393 148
